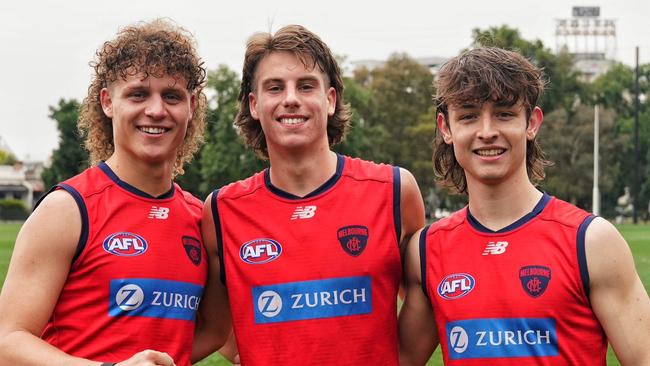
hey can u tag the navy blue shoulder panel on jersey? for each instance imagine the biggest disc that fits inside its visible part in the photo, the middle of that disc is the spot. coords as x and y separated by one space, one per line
217 230
423 259
83 211
340 162
397 213
582 254
539 207
111 174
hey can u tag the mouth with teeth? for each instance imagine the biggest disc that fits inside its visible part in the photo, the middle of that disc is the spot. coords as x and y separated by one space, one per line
292 120
489 152
153 130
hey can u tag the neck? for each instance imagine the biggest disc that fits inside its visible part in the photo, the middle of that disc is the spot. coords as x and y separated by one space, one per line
153 179
301 174
497 206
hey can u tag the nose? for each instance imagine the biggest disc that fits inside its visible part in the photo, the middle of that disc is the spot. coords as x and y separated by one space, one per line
291 97
156 108
488 130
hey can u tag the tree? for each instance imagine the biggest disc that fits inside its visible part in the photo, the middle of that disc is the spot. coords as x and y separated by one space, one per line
223 158
7 158
70 158
567 139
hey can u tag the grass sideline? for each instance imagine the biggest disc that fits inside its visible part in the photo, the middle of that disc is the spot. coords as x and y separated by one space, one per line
637 236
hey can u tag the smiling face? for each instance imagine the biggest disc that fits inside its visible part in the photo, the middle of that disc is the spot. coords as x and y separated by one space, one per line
489 139
292 103
150 116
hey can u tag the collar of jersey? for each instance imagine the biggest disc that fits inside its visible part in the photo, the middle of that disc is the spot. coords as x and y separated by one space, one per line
340 162
539 207
111 174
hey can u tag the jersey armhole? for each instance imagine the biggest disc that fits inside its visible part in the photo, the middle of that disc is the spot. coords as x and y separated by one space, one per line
397 213
83 236
582 255
423 259
217 230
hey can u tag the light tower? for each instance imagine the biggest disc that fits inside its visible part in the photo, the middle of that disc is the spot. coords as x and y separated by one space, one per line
589 38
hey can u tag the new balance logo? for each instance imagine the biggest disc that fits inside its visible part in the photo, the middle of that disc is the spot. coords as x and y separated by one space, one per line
304 212
160 213
495 247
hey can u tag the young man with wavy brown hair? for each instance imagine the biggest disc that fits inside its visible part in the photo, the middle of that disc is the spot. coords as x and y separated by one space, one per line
310 247
517 277
110 267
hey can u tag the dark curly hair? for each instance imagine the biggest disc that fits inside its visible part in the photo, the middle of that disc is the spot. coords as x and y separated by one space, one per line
479 75
152 48
312 52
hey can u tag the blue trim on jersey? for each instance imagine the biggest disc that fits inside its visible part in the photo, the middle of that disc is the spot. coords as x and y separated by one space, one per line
83 236
539 207
582 255
397 213
217 230
423 259
340 162
111 174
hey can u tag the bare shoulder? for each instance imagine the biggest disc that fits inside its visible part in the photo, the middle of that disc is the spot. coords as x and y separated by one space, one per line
608 254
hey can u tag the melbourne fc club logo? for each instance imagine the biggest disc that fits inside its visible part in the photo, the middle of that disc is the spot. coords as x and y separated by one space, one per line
353 239
534 279
192 249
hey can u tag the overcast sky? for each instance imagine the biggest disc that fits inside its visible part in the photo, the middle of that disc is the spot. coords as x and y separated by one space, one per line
46 45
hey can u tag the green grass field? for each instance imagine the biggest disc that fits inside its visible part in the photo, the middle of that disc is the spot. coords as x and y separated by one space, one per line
638 236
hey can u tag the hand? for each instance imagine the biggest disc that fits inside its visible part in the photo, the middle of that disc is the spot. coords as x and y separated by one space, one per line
236 361
148 358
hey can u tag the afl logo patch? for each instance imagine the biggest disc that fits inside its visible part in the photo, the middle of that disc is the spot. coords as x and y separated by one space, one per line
260 251
535 279
125 244
353 239
456 286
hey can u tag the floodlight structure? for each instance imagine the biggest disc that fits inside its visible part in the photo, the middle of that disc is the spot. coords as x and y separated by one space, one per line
590 39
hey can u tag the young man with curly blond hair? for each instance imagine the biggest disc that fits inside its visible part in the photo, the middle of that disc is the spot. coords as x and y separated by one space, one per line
517 277
310 247
110 267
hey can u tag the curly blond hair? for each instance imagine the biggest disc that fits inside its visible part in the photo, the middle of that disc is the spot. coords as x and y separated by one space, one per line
152 48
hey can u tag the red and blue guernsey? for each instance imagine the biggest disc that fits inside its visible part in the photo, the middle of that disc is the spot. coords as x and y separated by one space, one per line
313 280
517 296
138 273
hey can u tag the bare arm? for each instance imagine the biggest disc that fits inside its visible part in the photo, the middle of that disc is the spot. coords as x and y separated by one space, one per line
617 295
213 323
38 270
411 207
418 336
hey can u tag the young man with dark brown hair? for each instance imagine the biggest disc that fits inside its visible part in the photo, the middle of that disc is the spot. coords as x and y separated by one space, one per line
310 247
517 277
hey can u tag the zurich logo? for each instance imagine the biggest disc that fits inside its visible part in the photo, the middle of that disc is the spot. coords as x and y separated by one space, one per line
125 244
455 286
260 251
269 303
458 339
129 297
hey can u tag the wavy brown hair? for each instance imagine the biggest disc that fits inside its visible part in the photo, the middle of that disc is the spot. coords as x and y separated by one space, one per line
312 52
480 75
152 48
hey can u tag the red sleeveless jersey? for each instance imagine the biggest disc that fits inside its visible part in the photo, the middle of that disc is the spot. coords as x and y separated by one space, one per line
518 296
138 274
313 280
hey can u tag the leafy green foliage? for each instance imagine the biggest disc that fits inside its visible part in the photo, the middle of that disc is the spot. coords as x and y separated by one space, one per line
70 158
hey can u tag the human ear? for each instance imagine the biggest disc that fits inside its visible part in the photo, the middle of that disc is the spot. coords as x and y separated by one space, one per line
443 127
534 123
106 102
252 105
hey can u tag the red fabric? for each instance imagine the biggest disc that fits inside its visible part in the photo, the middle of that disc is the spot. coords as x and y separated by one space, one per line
311 250
80 324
